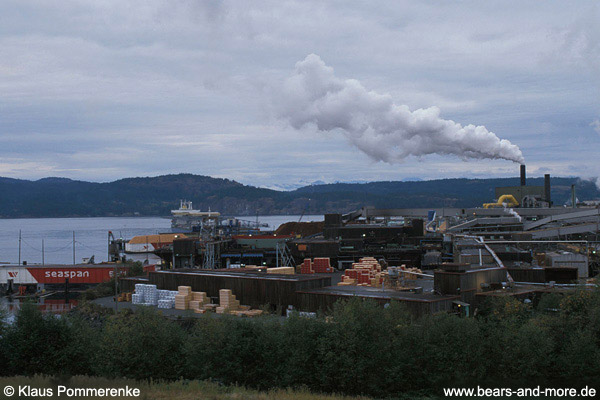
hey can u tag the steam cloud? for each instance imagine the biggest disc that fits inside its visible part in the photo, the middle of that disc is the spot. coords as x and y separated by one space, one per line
372 122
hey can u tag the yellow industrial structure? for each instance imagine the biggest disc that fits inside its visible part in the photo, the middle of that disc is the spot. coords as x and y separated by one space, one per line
506 200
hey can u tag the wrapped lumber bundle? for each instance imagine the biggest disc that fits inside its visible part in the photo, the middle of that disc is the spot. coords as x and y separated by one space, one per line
209 307
197 301
322 265
404 273
365 272
247 313
183 297
307 267
227 302
200 296
230 305
281 270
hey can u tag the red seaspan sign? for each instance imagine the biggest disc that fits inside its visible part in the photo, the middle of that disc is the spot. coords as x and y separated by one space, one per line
74 275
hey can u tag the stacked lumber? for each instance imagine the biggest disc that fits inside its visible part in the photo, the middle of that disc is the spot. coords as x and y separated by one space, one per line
365 272
126 296
281 270
320 265
209 307
197 302
404 275
247 313
306 267
228 304
183 297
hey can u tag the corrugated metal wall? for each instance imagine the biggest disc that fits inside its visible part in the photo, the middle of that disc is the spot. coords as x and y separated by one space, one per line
251 289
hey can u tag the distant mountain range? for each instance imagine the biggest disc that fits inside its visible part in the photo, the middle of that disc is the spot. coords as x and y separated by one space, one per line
61 197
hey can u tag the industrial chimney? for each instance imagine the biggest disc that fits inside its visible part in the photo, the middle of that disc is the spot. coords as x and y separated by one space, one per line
547 189
523 178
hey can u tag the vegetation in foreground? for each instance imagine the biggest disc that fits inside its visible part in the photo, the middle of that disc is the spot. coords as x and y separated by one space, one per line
362 349
181 390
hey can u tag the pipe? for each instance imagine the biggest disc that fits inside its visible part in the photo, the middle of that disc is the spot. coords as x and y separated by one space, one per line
556 284
400 271
481 240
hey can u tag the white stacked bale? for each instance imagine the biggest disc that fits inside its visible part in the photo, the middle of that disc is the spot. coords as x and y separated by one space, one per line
150 295
166 304
139 290
137 299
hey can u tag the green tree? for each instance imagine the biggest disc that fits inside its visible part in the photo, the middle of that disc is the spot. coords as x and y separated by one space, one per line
4 369
141 345
237 351
41 344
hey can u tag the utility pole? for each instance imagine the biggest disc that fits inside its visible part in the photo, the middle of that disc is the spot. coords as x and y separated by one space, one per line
116 290
19 247
73 247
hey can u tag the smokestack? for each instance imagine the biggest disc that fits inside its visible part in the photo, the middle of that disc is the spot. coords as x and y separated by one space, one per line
573 197
523 177
547 189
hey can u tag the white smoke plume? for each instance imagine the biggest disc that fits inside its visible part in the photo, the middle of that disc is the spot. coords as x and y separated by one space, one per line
385 131
596 125
512 212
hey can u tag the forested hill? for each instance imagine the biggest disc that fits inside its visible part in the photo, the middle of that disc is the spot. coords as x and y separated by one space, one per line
61 197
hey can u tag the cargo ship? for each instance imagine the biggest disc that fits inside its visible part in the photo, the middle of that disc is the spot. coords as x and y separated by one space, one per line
186 219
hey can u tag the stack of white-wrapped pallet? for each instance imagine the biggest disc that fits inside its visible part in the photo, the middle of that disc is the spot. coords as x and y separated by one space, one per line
150 295
145 294
166 298
137 298
183 297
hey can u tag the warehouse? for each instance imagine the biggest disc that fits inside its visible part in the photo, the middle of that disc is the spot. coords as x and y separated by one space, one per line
253 288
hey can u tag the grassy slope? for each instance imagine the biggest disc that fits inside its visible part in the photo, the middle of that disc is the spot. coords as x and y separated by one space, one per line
182 390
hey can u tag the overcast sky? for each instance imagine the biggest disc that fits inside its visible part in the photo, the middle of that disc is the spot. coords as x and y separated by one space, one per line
101 90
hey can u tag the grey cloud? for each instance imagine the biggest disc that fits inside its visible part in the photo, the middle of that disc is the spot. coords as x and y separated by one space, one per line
102 90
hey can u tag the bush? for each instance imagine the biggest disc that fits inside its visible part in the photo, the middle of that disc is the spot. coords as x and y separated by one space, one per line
46 344
359 348
142 346
3 356
247 352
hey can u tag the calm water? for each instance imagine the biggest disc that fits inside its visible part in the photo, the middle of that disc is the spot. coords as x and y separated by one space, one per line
91 235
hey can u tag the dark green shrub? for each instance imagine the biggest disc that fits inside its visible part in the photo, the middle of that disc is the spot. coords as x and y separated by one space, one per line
141 345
